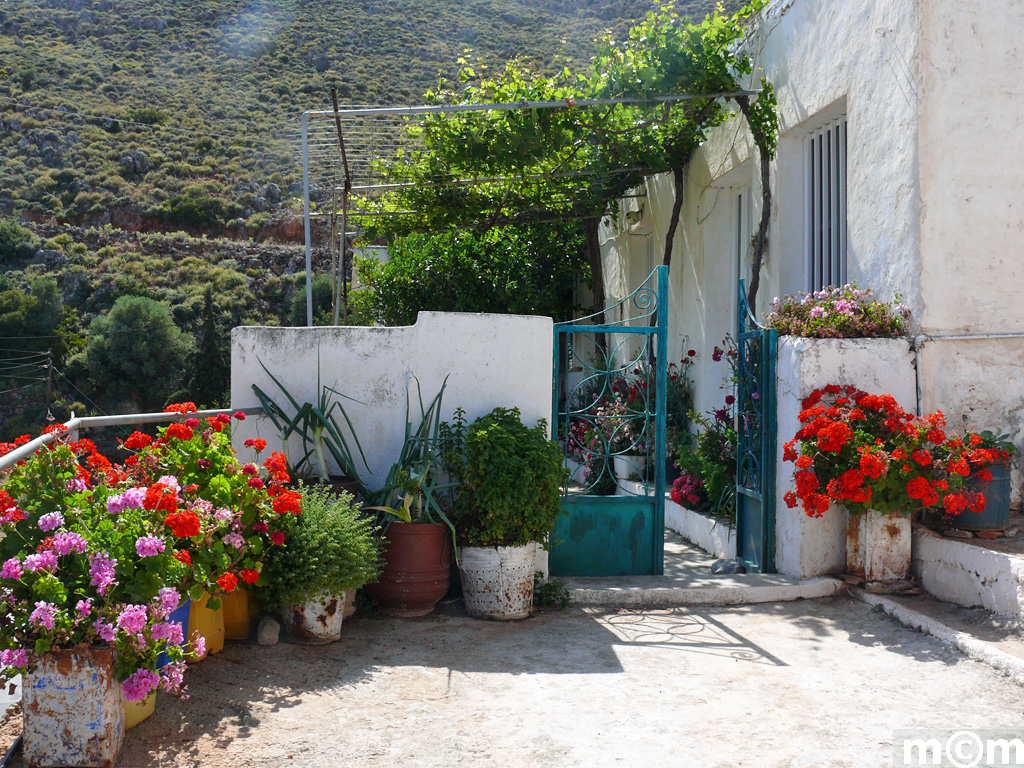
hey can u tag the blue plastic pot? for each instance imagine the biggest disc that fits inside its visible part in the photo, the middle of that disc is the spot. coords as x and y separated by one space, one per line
179 615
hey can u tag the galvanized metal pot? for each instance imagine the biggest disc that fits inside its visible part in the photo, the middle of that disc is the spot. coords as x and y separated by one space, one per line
73 710
417 569
497 582
878 546
316 622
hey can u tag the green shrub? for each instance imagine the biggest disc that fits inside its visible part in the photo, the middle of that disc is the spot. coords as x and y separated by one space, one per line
330 547
136 352
509 478
16 242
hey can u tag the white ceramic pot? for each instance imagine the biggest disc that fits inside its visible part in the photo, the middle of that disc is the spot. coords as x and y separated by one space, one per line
316 622
497 582
629 466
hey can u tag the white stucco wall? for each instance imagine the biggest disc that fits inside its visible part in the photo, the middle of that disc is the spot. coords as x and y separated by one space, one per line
807 546
493 360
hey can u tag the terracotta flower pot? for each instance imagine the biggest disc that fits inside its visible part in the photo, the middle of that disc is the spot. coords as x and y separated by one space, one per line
417 559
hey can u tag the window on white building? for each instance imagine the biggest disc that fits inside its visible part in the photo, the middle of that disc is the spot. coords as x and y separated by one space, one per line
825 205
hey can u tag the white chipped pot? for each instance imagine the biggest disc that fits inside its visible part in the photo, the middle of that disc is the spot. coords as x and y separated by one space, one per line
497 582
316 622
73 710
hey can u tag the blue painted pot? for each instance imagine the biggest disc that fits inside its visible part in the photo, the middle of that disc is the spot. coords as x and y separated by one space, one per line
179 615
996 515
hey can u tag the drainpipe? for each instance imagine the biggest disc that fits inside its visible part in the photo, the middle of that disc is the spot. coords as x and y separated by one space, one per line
921 339
305 203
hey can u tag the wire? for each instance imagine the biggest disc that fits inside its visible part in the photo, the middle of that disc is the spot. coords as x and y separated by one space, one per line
26 386
72 385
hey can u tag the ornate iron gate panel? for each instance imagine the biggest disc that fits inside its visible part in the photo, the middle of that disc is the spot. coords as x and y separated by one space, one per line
756 432
609 411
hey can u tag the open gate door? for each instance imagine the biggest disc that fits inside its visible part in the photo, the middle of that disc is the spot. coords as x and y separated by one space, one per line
609 410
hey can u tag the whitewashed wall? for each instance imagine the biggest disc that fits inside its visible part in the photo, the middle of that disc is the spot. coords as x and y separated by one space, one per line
493 360
823 57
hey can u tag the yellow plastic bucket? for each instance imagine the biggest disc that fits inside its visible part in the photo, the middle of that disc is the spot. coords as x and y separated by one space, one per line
237 615
208 623
137 711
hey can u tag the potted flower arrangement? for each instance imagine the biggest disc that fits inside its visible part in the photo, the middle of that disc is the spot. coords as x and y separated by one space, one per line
838 313
707 459
330 548
868 454
88 593
509 479
222 515
993 482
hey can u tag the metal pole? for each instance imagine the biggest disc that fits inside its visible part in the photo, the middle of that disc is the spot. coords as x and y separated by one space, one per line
305 201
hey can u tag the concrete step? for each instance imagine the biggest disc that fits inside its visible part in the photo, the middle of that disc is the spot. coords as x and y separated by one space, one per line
661 591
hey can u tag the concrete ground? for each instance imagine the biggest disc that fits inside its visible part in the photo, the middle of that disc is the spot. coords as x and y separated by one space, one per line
807 683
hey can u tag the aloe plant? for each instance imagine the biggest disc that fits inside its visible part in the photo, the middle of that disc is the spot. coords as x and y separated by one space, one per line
318 427
412 488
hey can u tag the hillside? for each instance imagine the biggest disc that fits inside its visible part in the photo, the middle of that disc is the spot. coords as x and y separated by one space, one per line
183 114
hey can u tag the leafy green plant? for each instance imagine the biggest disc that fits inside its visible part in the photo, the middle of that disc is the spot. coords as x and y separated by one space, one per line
332 546
16 242
549 594
509 477
319 428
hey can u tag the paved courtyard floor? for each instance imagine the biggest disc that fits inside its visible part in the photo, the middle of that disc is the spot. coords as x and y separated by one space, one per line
807 683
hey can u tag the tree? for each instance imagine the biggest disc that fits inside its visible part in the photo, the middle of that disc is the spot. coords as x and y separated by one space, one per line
211 372
137 353
528 270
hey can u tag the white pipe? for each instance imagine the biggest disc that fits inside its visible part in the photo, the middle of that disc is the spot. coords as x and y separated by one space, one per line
305 202
75 423
921 338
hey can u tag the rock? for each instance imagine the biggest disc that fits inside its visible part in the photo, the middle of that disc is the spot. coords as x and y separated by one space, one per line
723 566
272 192
989 534
956 533
137 162
268 632
50 258
1011 533
259 203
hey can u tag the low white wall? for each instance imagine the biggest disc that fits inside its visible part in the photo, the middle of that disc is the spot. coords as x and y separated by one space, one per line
805 546
707 533
491 360
968 575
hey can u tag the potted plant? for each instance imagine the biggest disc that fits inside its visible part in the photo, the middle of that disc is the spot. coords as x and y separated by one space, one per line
994 483
329 548
868 454
417 530
222 515
90 587
321 433
510 479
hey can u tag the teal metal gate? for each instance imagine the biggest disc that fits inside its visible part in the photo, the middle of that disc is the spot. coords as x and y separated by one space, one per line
756 433
609 412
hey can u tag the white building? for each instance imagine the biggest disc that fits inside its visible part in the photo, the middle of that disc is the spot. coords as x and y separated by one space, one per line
900 167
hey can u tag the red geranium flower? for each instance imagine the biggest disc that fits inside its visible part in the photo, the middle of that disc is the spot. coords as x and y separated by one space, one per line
183 557
277 537
287 501
179 431
184 524
138 440
251 575
227 581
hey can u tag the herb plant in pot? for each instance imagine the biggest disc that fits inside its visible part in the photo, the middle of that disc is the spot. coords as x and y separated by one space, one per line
329 548
417 531
509 478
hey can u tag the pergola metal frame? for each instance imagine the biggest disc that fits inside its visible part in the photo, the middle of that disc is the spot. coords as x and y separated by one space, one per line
338 151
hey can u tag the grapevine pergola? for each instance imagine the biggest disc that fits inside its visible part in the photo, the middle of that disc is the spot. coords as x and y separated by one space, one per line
520 148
